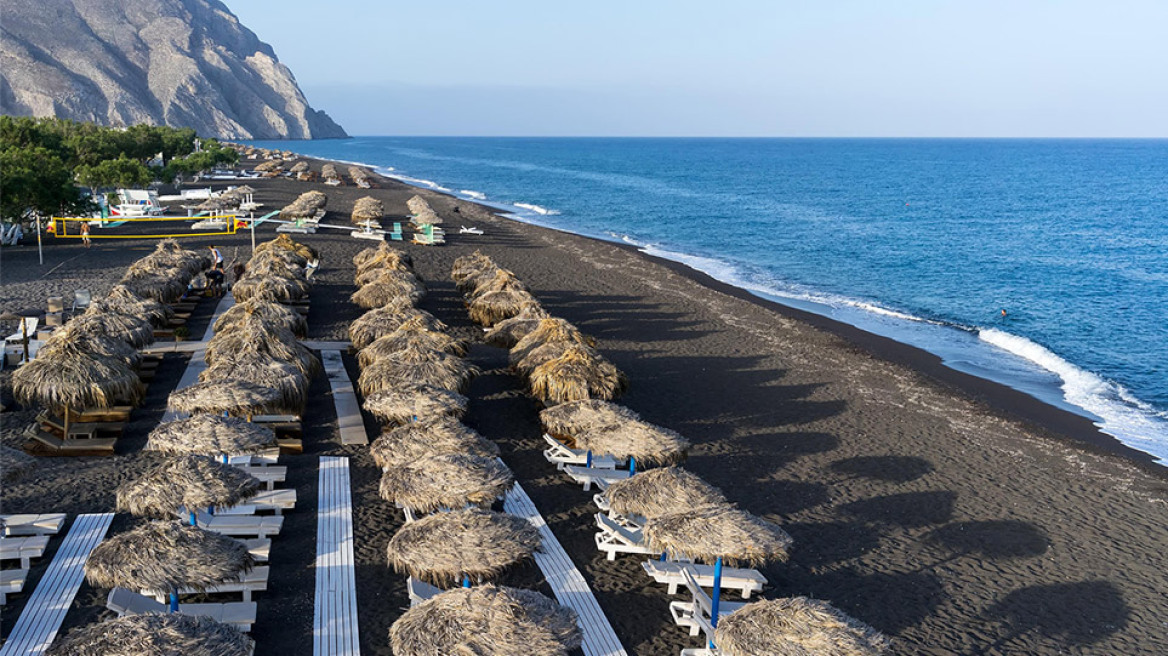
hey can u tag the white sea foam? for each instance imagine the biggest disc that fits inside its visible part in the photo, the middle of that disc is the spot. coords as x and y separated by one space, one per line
470 193
537 209
1122 414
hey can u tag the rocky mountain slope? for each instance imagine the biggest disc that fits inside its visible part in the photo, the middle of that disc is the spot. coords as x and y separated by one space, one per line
184 63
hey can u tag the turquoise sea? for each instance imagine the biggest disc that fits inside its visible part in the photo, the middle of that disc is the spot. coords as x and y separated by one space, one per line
925 241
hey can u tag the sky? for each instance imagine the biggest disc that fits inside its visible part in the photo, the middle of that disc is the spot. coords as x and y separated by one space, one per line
792 68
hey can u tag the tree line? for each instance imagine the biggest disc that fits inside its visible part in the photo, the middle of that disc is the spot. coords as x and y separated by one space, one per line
45 163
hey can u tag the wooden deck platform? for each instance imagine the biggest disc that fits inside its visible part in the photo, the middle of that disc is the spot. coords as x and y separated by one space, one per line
349 420
334 629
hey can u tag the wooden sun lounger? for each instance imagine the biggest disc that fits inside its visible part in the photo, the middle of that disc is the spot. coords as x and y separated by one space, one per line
695 614
254 581
21 525
239 614
23 549
241 525
47 444
112 414
11 582
747 581
335 623
614 538
80 429
420 591
589 476
560 455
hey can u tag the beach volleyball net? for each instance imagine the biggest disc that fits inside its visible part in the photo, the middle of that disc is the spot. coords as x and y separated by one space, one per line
147 227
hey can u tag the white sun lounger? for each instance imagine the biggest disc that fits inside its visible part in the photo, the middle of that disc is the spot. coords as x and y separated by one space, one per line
275 500
614 538
11 582
241 525
259 548
254 581
43 524
30 323
747 581
589 476
264 458
695 614
239 614
420 591
23 549
560 455
268 474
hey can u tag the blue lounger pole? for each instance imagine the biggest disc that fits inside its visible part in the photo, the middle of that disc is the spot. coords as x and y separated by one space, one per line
465 581
588 458
632 465
193 522
174 602
717 596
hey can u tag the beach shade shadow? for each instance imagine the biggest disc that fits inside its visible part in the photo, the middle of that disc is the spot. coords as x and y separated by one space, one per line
909 510
992 539
892 469
818 544
889 602
1071 613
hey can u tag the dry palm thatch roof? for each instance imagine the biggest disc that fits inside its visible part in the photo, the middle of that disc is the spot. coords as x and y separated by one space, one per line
72 377
270 165
329 171
188 483
501 280
411 334
284 242
133 330
102 345
367 209
493 307
711 532
14 464
278 375
403 405
579 373
414 367
423 214
446 481
252 337
270 288
299 167
367 254
210 434
155 634
223 202
444 547
276 263
548 330
648 443
166 556
238 398
158 286
508 332
660 492
486 621
429 437
358 173
384 320
468 265
573 417
387 288
272 314
377 268
473 279
241 190
796 626
123 300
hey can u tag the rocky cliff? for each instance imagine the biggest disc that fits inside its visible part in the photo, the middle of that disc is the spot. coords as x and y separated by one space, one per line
184 63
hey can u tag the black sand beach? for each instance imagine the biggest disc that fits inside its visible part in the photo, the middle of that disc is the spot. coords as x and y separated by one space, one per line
955 515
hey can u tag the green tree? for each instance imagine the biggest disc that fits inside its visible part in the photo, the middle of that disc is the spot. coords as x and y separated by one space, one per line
35 180
120 172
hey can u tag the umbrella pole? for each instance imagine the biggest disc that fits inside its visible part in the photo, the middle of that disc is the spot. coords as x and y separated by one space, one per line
66 437
465 581
174 601
193 522
717 596
632 465
588 459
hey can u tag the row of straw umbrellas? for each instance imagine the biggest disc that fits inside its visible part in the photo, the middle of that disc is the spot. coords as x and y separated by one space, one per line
412 378
91 362
305 206
368 212
682 516
421 213
228 200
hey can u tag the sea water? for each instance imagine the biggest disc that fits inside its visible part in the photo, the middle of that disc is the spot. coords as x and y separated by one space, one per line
925 241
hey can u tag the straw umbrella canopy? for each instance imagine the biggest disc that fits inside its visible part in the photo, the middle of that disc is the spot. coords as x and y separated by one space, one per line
365 255
237 398
660 492
796 626
380 266
283 377
155 635
508 332
167 556
549 331
14 464
401 406
270 165
429 437
164 287
226 201
367 210
299 167
493 307
580 373
384 320
186 483
272 314
211 435
251 338
567 419
648 443
284 242
473 278
270 288
411 334
460 545
416 366
501 280
486 620
388 288
121 299
102 345
718 532
446 481
73 377
468 265
276 263
423 214
243 190
133 330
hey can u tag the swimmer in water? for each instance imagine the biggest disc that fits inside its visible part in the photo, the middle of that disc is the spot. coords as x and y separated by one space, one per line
1003 313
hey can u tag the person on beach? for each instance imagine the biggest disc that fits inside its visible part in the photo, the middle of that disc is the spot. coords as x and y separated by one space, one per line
215 280
216 256
85 234
311 268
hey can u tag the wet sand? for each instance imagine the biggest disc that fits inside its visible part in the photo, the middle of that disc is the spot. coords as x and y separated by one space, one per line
953 514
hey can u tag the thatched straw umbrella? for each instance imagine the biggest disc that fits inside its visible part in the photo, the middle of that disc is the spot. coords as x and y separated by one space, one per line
167 556
237 398
101 345
155 635
270 165
164 287
486 621
133 330
272 314
299 167
501 280
404 405
567 419
796 626
429 437
414 366
367 254
639 441
387 288
548 331
469 265
123 300
367 210
660 492
411 334
423 214
253 338
186 483
579 373
384 320
214 435
276 263
219 203
446 481
493 307
284 242
72 377
461 545
373 272
329 172
14 464
270 288
716 534
508 332
278 375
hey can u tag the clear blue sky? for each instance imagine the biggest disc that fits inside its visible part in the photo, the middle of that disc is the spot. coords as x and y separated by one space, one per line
1010 68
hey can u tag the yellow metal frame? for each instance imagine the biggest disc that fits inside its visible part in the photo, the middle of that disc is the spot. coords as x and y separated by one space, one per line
61 226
